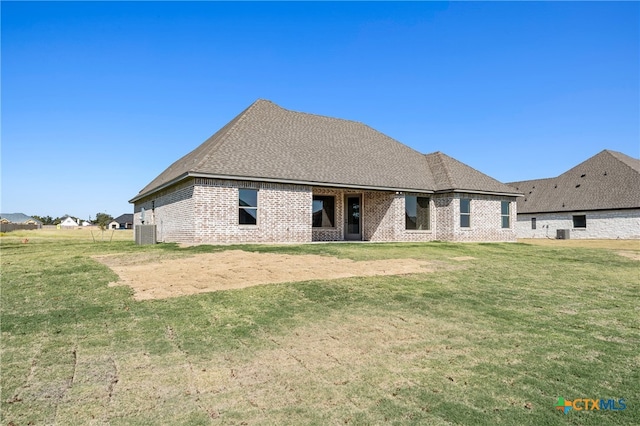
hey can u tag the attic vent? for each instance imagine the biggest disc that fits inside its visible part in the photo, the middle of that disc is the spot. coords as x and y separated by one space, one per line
578 186
583 175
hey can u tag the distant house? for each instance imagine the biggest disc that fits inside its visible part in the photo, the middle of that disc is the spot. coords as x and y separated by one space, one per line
599 198
68 222
13 221
113 225
124 221
19 218
275 175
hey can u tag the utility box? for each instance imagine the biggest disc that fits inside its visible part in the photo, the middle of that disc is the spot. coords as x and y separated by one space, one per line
562 234
145 234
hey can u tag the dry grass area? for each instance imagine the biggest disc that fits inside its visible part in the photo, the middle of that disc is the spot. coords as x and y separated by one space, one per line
89 233
600 244
344 364
485 334
156 277
626 248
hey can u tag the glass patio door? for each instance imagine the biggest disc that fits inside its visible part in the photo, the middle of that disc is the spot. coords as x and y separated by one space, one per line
353 218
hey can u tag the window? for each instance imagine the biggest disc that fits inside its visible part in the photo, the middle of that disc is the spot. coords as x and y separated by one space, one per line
465 213
416 212
505 210
248 205
533 223
323 211
580 221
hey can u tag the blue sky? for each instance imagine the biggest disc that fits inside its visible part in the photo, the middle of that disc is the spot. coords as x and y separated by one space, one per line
99 98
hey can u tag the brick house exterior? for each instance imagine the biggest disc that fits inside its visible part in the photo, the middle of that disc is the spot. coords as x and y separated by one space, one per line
315 178
598 198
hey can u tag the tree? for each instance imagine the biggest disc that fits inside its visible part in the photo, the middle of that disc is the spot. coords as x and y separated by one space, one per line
103 219
45 220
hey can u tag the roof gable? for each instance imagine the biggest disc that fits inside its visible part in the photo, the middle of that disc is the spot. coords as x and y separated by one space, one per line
608 180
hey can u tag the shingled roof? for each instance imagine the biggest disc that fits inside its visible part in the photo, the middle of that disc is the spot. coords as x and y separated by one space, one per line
269 143
452 175
18 218
608 180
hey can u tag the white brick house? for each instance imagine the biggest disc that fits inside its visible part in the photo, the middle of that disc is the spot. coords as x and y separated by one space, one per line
598 198
273 175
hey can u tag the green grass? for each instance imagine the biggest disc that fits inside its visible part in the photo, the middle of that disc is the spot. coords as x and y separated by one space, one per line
493 340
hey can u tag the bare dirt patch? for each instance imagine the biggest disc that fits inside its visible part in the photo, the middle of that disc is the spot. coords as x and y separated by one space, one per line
630 254
462 258
157 278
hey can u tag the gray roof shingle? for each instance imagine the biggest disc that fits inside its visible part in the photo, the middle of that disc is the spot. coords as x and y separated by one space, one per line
266 141
17 218
453 175
124 218
608 180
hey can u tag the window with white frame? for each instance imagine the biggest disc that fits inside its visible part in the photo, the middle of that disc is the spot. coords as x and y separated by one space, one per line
248 206
506 214
465 213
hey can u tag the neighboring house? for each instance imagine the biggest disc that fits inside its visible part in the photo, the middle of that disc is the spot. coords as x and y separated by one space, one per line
19 218
599 198
68 222
124 221
12 221
274 175
113 225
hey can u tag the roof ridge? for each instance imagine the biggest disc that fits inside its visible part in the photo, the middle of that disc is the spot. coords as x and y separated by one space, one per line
531 180
321 115
222 135
445 169
344 120
615 155
594 157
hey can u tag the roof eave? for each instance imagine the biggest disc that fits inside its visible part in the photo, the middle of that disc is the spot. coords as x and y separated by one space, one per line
159 188
575 210
476 191
310 183
275 180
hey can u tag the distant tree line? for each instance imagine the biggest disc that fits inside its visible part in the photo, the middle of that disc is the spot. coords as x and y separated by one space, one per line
102 219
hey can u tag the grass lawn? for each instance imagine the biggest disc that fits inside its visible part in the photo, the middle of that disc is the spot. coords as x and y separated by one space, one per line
491 340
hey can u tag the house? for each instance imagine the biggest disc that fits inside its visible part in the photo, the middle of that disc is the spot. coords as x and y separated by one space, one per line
68 222
12 221
124 221
19 219
113 225
598 198
274 175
